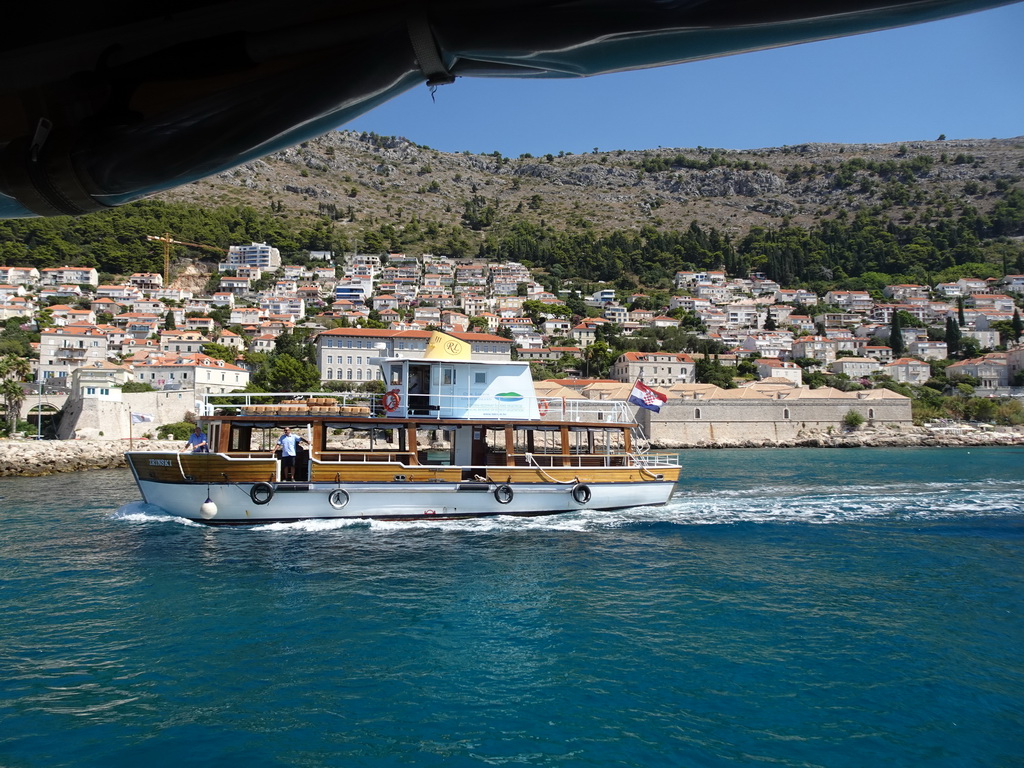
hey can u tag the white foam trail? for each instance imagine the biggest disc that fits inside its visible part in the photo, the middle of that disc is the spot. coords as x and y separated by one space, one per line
141 512
766 505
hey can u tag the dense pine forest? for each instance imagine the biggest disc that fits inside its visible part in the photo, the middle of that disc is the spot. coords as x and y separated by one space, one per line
863 251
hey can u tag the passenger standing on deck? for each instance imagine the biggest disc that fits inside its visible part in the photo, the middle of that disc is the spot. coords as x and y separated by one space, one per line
288 443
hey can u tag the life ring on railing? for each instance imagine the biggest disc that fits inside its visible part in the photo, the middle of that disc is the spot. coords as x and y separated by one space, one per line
503 494
542 407
391 400
261 493
581 493
338 498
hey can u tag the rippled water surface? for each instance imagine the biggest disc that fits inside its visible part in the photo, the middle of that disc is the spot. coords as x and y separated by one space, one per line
789 607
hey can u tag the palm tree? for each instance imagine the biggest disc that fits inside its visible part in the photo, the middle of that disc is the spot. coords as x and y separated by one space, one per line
13 396
13 370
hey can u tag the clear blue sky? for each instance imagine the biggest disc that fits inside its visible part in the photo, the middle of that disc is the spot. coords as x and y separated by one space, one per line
962 77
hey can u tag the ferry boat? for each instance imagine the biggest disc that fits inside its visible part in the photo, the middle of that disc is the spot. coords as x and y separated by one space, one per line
451 438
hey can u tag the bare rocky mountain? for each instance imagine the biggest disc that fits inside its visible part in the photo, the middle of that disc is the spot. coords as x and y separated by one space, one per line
365 180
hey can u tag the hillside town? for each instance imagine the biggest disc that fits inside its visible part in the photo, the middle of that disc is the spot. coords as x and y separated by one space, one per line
146 345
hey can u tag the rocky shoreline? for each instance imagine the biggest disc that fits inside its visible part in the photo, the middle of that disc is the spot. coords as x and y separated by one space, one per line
913 437
32 458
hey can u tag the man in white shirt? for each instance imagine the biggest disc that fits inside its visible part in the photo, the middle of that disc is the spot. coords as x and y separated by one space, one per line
288 444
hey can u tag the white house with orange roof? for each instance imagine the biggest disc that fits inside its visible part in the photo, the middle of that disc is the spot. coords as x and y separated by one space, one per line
123 293
969 285
904 291
148 306
116 337
796 296
59 313
265 343
239 286
147 281
202 324
475 304
908 370
230 339
195 372
991 369
928 350
879 352
19 275
655 368
106 305
851 301
856 367
816 347
245 316
292 306
769 344
773 368
63 349
16 306
999 302
182 341
69 276
452 321
1012 283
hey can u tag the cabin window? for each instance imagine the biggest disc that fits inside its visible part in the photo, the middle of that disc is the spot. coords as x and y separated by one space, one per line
480 377
447 377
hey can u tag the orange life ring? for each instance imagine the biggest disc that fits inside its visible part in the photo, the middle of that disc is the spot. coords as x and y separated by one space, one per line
391 400
542 406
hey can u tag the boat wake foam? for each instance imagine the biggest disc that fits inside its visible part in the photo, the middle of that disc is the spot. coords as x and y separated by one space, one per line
141 512
782 504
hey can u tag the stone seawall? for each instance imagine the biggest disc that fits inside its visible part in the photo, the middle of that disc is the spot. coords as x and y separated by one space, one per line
32 458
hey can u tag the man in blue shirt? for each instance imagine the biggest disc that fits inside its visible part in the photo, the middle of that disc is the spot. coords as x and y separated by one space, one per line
197 441
288 443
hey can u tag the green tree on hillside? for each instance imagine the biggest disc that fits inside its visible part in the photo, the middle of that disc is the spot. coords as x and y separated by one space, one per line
953 336
896 342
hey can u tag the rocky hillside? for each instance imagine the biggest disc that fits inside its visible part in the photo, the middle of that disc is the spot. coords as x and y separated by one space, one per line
365 180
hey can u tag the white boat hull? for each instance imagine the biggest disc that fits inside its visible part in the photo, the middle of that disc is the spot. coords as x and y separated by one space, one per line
237 503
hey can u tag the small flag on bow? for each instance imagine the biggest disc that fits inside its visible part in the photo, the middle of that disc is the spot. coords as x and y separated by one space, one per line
646 397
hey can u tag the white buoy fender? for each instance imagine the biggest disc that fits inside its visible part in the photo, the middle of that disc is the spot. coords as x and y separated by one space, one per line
208 509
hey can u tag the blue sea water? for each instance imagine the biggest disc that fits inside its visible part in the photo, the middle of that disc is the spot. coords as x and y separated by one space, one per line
857 607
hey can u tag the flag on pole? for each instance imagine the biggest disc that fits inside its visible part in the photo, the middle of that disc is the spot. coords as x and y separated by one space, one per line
646 397
141 418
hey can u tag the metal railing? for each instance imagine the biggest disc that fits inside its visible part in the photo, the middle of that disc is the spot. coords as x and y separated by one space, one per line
420 407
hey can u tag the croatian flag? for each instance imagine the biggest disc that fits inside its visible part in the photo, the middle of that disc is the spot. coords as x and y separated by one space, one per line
646 397
141 418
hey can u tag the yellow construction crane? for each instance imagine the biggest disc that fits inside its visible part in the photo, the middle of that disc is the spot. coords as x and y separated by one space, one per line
168 242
